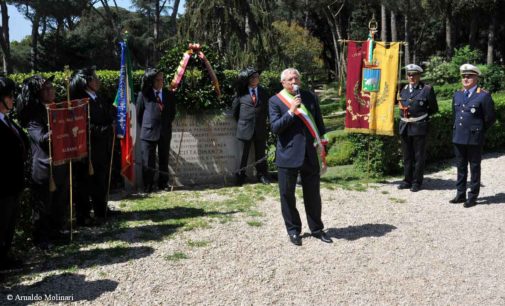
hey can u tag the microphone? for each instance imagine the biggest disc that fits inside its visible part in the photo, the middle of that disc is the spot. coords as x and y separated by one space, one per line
296 88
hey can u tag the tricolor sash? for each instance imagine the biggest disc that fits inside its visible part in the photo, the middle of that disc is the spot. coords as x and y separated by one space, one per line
304 114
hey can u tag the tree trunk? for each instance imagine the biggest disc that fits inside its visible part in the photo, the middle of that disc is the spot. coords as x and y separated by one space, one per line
490 40
173 17
394 31
35 38
384 25
156 29
474 27
448 35
5 40
407 38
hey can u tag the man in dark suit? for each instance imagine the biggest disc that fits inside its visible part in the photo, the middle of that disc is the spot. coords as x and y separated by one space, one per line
94 188
12 156
296 153
417 103
250 107
474 113
155 114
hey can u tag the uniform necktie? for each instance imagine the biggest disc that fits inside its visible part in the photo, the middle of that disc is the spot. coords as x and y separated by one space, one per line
158 100
410 88
467 94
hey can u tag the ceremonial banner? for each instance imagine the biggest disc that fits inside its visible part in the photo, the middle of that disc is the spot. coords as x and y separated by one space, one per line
126 116
371 87
382 112
68 122
357 103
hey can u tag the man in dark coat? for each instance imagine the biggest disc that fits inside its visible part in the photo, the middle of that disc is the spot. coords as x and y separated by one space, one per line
155 114
296 154
418 102
91 188
474 113
13 155
250 107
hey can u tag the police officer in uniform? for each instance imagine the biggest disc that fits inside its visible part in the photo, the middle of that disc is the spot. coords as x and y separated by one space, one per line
474 112
417 103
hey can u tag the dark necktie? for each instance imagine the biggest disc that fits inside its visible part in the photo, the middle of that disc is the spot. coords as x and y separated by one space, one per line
158 100
253 96
467 95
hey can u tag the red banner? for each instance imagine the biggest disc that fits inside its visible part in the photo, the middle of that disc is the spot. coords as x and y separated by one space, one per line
357 102
68 122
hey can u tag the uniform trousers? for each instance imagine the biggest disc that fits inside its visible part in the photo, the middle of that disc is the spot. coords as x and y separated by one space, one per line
9 210
414 156
465 155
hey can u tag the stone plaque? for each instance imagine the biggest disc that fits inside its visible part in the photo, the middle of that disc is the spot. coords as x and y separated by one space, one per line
204 150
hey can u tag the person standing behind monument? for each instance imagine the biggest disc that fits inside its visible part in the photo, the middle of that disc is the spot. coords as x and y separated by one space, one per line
250 107
296 153
155 114
13 155
474 113
93 186
48 203
417 103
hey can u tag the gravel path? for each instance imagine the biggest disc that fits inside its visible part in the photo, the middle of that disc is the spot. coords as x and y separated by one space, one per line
390 247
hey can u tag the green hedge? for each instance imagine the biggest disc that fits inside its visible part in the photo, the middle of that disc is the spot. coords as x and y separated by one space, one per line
110 78
384 153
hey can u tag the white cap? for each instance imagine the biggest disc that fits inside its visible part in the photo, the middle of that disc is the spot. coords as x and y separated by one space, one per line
469 69
413 68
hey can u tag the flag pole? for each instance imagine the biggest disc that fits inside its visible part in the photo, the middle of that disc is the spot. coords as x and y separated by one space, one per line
110 169
67 80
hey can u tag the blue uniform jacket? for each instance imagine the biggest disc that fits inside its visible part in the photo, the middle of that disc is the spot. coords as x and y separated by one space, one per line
472 117
294 139
419 102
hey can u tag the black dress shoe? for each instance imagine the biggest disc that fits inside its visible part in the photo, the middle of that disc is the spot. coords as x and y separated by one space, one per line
264 180
322 236
295 239
415 188
458 199
469 203
405 185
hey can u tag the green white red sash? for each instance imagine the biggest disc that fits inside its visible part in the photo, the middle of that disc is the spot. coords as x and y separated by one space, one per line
304 114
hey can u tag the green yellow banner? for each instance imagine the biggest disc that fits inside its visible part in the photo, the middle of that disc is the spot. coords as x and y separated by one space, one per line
382 103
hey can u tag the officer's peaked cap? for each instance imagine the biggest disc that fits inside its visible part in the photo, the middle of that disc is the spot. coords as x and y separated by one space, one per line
413 68
469 69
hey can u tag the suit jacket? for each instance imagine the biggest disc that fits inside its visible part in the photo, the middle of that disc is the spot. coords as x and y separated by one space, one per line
101 118
12 156
472 117
419 102
152 121
294 140
39 139
251 119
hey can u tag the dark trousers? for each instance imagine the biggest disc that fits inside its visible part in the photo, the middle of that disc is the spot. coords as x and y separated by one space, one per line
9 210
49 210
149 161
311 197
90 191
468 154
414 156
259 153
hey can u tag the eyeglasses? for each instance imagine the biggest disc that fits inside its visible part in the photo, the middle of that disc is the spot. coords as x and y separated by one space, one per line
467 76
412 74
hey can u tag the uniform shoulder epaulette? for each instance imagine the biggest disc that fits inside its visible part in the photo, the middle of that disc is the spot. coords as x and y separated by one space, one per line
479 89
406 86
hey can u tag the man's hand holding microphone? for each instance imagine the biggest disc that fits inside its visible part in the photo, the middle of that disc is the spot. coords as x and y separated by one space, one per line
297 101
